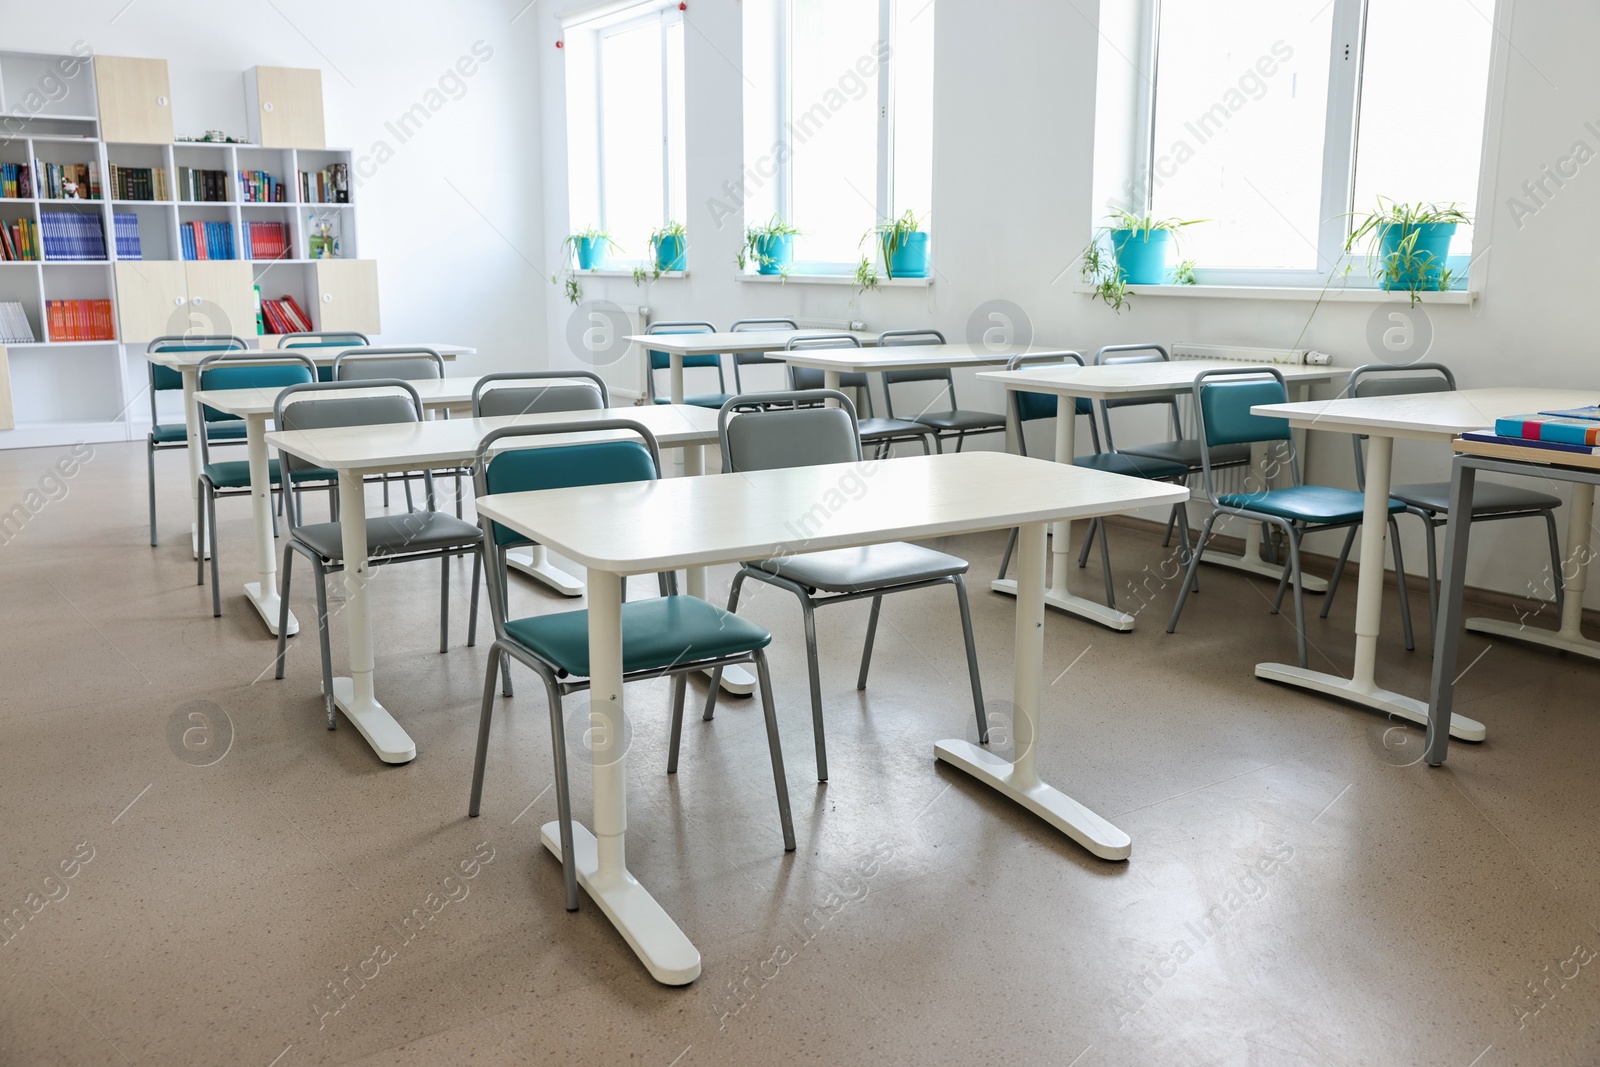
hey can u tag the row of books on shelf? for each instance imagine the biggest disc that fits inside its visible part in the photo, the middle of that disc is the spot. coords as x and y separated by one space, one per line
79 320
1566 430
205 186
330 185
72 236
14 326
19 240
125 227
207 240
57 181
267 240
259 187
15 180
283 315
139 183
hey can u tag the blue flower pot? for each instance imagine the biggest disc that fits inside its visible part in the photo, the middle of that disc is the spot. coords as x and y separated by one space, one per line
591 253
774 253
1418 267
671 254
1142 255
910 260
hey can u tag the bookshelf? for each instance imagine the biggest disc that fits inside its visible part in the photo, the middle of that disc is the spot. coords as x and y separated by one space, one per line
63 392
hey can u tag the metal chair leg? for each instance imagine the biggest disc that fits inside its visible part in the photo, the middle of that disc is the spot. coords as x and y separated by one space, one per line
815 671
216 586
1105 564
200 534
1558 580
1194 565
1088 542
558 744
716 674
472 619
1283 585
505 661
1338 571
1005 560
319 574
780 780
283 609
444 604
1293 537
680 685
150 463
866 649
1400 581
485 713
972 660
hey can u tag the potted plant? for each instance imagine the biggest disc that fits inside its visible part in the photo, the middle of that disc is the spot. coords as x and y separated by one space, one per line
590 246
771 246
904 246
1133 250
670 245
1408 244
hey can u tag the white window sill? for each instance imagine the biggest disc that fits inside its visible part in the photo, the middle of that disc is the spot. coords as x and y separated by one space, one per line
1333 294
609 272
835 279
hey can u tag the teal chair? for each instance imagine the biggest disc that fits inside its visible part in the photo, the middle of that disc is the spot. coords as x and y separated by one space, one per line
1223 399
168 436
661 361
1029 407
232 478
325 339
667 635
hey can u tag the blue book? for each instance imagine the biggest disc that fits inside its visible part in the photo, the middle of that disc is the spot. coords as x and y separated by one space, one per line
1591 413
1488 438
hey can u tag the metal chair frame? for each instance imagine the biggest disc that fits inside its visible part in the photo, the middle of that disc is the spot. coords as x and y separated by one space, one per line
210 342
882 434
892 378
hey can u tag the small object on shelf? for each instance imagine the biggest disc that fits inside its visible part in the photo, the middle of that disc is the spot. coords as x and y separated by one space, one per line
324 245
214 137
14 326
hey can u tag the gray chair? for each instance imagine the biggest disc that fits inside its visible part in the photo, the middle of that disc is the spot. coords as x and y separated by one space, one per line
325 339
520 393
670 635
766 437
954 421
880 434
1430 501
753 359
411 364
659 361
166 437
414 536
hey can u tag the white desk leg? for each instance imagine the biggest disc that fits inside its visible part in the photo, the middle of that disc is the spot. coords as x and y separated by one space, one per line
1019 781
1362 686
263 593
675 377
191 421
735 680
1569 638
1059 596
601 856
535 563
355 695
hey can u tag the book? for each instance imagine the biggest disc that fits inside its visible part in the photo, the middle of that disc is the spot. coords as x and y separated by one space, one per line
205 186
1549 428
267 240
15 181
1590 413
72 236
1489 438
259 187
331 185
14 326
139 183
79 320
126 227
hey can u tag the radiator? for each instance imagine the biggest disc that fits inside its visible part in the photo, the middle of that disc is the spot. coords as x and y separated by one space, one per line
1242 354
842 325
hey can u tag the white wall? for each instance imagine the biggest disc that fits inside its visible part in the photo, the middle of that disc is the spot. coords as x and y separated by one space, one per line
454 264
1014 136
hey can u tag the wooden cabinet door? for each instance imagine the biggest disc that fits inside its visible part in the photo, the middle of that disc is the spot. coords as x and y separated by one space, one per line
151 296
135 100
221 297
288 107
347 295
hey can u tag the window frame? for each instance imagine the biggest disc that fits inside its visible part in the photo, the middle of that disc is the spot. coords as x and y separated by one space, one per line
1341 124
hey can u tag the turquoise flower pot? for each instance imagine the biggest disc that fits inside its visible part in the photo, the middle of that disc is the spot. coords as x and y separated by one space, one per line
910 260
1420 265
671 254
591 253
1142 255
774 253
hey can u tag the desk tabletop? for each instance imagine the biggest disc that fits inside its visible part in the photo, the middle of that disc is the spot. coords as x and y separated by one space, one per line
912 357
642 527
434 393
270 341
1115 380
448 442
322 357
705 344
1425 416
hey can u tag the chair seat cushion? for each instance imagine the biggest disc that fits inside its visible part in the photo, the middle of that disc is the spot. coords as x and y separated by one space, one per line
879 428
1187 452
1305 503
235 474
394 535
959 420
850 570
1131 466
655 633
175 433
1488 498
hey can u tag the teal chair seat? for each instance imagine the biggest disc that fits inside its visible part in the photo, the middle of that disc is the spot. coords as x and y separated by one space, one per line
235 474
1131 466
174 433
655 634
1315 504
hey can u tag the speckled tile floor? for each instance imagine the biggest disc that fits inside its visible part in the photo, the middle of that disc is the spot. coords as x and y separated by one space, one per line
1301 890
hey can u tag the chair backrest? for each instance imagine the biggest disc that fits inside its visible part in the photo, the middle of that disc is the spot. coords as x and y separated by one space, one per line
1383 379
890 338
744 325
519 393
770 431
325 339
663 361
406 364
747 359
1223 399
233 369
320 405
1028 406
810 378
1142 352
910 337
165 379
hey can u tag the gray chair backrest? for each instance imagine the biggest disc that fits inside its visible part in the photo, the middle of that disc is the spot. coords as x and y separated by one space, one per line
810 378
319 406
763 324
1382 379
406 364
750 359
495 395
1141 352
324 339
758 432
889 338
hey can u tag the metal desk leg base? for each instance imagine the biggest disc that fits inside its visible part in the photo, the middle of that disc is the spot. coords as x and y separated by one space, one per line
1563 640
267 608
535 563
387 738
1383 700
1082 607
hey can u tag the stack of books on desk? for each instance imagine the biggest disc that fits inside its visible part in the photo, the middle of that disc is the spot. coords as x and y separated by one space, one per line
1571 430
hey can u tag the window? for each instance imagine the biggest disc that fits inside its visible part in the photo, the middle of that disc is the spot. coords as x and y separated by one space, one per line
625 123
1274 119
838 121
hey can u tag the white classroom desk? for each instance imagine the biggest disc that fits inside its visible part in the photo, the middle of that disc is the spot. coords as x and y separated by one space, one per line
834 362
645 527
357 451
678 345
1120 381
1424 417
187 363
